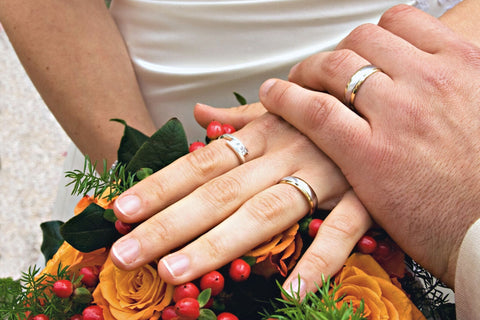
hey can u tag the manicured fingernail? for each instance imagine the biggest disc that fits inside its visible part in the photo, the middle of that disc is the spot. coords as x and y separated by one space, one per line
128 205
266 86
176 264
126 250
296 288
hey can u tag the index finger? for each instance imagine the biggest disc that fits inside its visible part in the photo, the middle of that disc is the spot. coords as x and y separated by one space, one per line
331 125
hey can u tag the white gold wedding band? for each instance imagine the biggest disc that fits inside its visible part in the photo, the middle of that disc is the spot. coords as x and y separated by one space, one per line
356 82
236 145
305 189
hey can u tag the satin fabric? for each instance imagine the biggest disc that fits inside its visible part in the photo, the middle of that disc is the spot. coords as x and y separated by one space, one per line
202 51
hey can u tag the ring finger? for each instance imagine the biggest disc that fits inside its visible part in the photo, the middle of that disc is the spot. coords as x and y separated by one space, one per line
333 72
256 222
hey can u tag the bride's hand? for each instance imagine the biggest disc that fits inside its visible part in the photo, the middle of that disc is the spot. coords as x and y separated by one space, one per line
216 209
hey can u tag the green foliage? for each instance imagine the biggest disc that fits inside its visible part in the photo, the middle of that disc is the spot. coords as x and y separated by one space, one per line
241 99
315 306
132 140
137 154
32 295
165 146
86 180
52 239
89 230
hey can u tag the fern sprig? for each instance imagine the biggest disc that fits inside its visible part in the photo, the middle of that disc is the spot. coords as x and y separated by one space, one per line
315 306
116 179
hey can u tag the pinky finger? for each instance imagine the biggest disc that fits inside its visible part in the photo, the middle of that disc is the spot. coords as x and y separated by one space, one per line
335 240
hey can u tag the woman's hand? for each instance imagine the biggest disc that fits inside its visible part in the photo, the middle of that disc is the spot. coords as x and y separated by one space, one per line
411 150
216 210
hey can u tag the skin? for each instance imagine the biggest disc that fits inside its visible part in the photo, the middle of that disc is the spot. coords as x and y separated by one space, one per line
411 151
82 69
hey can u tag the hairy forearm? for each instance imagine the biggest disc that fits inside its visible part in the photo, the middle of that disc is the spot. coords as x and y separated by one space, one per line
464 18
76 58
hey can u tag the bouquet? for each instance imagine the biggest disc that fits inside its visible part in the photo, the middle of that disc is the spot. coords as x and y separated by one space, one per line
80 281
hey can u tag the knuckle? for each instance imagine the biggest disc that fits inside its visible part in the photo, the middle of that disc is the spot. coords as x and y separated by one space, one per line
265 207
160 229
317 115
361 34
214 248
205 161
221 191
342 227
392 15
469 54
334 64
440 79
157 186
318 260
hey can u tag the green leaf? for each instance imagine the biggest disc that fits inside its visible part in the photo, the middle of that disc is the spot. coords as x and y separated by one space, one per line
109 215
52 239
207 314
204 296
131 141
250 260
89 230
165 146
240 98
144 173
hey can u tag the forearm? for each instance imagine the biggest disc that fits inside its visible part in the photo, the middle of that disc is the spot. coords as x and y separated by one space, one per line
76 58
464 18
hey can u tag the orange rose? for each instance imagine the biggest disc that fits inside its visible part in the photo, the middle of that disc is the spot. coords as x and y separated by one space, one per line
363 278
134 295
69 256
278 254
88 200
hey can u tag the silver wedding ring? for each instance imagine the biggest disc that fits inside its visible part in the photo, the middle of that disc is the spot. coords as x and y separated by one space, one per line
305 189
356 82
236 145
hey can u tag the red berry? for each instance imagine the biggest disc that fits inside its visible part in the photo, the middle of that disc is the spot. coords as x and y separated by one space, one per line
186 290
40 317
313 227
366 244
227 316
76 317
214 130
228 128
63 288
239 270
213 280
188 308
383 250
92 313
169 313
122 227
90 277
196 145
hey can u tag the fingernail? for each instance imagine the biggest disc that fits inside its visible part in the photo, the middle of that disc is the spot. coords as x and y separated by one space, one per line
126 250
266 86
296 288
176 264
199 104
128 205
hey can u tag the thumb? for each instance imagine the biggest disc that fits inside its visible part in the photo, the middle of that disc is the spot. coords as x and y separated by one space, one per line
238 117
